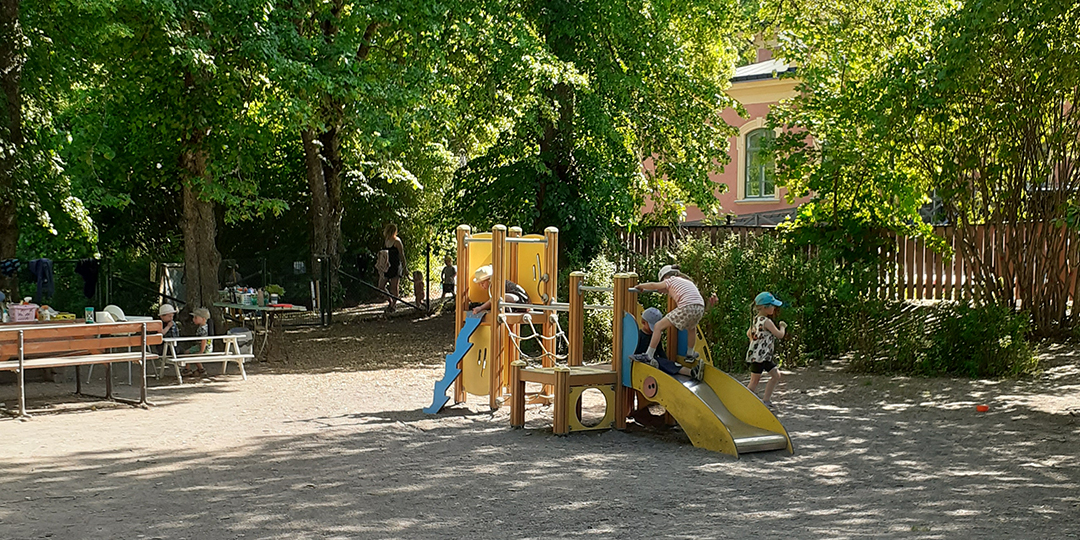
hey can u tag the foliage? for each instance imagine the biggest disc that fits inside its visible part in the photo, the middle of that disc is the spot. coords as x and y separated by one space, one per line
817 292
990 120
599 88
840 132
944 338
598 322
969 100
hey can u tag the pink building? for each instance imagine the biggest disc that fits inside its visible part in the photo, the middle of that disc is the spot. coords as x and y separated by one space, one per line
751 196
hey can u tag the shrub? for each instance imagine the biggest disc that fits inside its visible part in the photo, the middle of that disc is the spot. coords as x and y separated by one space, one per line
943 338
978 341
598 334
817 292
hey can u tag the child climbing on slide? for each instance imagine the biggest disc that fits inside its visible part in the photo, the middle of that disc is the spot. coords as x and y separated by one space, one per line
649 318
514 293
763 333
690 307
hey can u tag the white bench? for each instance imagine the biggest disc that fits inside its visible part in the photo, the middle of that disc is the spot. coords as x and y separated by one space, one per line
230 354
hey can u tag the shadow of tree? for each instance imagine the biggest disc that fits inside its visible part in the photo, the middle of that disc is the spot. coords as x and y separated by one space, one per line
920 471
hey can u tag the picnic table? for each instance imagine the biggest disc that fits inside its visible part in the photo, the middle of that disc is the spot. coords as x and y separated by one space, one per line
266 313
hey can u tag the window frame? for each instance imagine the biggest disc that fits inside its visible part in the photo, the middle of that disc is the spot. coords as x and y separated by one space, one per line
760 182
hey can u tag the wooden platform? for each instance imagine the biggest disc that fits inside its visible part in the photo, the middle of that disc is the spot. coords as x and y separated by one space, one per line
579 375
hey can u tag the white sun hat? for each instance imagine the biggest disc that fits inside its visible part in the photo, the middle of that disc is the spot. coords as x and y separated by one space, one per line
166 309
483 273
667 269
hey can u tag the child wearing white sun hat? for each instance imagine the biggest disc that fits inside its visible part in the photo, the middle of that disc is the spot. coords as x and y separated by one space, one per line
689 308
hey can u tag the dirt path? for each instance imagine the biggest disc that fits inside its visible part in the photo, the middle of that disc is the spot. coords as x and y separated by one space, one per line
328 442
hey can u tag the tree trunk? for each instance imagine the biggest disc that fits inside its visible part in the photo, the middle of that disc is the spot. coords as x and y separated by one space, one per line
556 151
322 155
201 257
11 139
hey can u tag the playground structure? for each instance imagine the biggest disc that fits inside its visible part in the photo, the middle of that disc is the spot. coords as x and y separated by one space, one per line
717 413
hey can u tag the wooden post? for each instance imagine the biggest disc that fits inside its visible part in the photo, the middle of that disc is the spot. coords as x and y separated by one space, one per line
551 252
550 292
560 425
621 295
511 345
576 334
672 348
497 289
517 395
461 299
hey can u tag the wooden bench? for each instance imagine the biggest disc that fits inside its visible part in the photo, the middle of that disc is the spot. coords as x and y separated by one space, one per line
230 354
61 345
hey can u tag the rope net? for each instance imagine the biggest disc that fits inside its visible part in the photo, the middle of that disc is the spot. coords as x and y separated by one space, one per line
517 339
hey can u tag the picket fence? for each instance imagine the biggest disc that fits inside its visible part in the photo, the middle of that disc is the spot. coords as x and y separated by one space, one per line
912 270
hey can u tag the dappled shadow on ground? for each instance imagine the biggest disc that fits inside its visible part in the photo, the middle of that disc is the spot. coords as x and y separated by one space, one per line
357 341
920 471
45 398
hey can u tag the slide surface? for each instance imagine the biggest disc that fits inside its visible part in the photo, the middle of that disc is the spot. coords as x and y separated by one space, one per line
462 345
718 413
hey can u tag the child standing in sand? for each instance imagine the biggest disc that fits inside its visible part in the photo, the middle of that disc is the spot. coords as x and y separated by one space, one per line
763 333
689 308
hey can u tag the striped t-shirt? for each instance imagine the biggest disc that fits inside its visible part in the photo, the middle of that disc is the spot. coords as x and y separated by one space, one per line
684 292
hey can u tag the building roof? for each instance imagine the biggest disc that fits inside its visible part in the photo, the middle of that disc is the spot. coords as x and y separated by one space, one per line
768 69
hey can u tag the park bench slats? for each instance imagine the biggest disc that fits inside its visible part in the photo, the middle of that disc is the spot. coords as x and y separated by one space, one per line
87 344
10 334
62 345
76 360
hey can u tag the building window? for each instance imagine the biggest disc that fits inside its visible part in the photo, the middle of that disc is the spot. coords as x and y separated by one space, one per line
760 168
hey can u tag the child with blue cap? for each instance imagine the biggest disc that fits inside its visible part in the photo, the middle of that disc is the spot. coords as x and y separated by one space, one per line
763 333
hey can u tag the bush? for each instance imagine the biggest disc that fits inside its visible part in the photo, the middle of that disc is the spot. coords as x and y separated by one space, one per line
831 309
944 338
598 333
979 341
817 293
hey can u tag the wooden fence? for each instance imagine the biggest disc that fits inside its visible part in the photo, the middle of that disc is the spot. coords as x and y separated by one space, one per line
912 270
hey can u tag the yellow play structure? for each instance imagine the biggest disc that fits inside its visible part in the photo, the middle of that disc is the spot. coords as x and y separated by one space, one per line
717 413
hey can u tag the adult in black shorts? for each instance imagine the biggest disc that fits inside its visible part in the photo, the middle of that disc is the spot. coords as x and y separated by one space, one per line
396 258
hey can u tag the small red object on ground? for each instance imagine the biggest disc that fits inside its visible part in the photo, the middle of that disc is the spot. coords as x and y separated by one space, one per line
982 408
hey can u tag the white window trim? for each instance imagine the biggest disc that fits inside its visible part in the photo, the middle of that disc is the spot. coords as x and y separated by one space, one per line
740 157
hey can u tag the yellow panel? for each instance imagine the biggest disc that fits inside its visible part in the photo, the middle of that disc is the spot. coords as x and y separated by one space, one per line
702 346
742 403
531 268
697 420
479 255
609 408
475 364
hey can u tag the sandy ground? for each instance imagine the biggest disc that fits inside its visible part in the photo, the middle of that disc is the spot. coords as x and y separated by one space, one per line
327 440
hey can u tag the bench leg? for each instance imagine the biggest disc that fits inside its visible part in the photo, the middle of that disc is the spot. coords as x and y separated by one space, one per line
142 384
179 377
78 382
108 381
242 372
22 395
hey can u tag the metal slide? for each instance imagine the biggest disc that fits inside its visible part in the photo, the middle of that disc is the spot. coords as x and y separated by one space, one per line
736 424
718 413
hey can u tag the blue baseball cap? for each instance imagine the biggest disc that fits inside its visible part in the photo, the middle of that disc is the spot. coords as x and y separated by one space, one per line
767 299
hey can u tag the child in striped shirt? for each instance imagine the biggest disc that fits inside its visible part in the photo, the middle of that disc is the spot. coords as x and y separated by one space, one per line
689 308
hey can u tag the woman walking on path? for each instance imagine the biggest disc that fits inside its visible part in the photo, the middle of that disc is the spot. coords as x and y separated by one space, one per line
394 265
